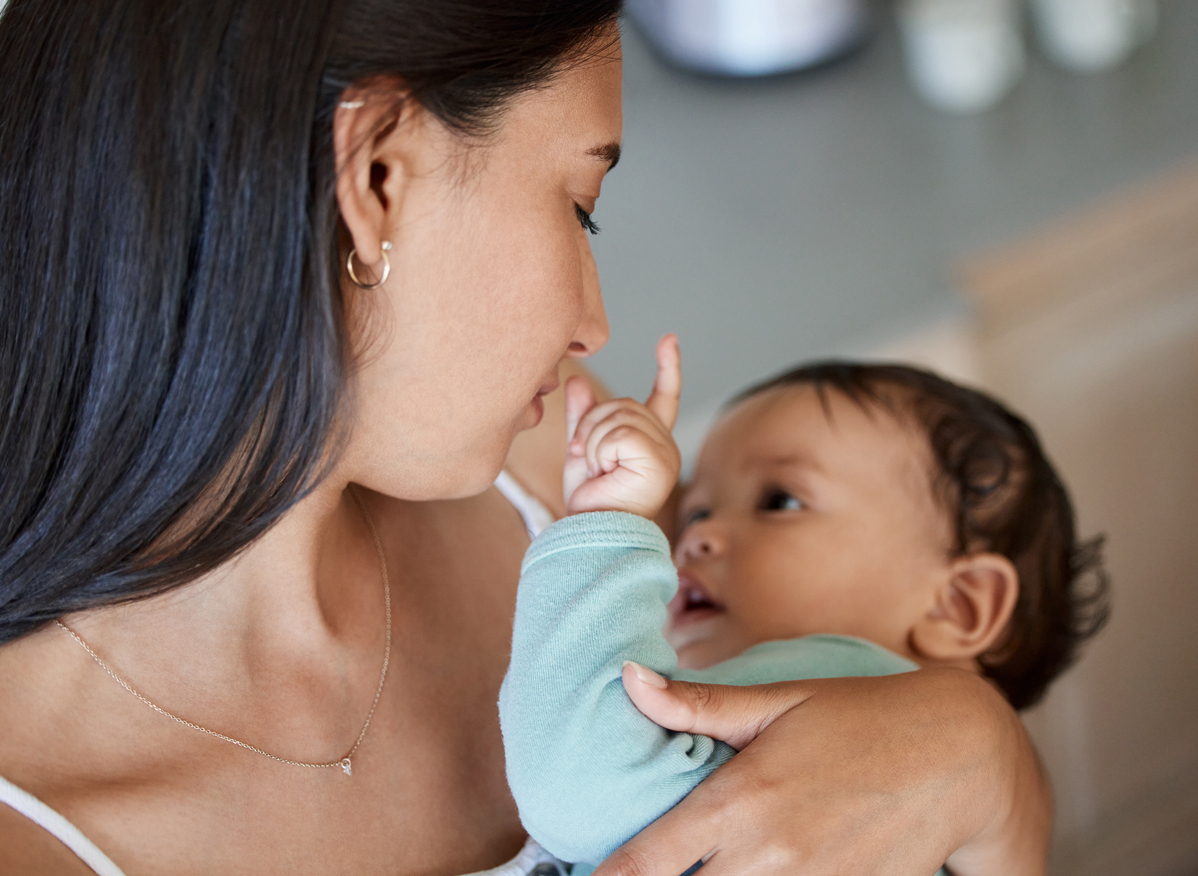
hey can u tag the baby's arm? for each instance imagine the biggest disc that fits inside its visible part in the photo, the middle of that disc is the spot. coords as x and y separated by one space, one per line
588 770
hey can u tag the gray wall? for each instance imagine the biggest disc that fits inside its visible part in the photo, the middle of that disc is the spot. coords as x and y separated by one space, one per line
770 221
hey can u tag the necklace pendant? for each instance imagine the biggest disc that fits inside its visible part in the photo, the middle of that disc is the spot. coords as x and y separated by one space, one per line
347 767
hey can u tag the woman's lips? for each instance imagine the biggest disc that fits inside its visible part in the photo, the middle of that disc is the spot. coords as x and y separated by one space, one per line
537 405
538 410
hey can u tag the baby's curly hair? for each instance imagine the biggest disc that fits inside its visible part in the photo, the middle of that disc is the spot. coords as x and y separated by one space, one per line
1002 495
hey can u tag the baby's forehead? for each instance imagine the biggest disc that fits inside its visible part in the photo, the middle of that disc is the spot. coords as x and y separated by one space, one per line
802 412
822 428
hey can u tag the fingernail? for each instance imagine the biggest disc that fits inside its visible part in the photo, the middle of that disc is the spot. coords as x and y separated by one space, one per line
648 676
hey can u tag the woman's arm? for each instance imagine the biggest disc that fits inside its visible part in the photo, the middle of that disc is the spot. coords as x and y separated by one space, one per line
894 775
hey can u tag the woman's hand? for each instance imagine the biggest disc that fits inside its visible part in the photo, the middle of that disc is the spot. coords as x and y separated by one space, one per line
621 455
889 776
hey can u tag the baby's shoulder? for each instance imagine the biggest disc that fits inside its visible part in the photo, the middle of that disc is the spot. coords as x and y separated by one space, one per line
817 656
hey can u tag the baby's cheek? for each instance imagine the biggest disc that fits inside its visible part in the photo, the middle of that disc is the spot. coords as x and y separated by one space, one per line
783 603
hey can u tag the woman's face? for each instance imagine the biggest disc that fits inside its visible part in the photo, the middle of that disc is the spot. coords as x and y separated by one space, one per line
492 282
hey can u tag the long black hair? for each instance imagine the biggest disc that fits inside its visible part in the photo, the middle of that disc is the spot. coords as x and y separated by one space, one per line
172 336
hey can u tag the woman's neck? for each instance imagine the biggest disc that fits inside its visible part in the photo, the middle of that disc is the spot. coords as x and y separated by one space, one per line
286 635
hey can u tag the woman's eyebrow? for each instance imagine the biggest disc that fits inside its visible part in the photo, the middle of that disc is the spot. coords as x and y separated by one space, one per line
609 152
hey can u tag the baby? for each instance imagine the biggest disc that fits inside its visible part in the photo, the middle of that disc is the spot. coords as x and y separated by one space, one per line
843 520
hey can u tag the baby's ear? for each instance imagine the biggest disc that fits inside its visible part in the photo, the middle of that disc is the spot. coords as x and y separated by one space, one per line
971 609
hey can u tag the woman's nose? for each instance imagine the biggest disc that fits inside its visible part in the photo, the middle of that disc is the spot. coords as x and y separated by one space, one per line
703 540
593 331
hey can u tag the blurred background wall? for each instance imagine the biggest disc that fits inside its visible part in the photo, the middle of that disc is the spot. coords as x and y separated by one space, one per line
1046 249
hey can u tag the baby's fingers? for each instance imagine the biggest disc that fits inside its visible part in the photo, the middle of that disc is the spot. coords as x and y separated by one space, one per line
580 398
623 434
667 388
581 433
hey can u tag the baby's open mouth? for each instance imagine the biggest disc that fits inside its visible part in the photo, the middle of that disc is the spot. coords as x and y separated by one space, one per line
692 602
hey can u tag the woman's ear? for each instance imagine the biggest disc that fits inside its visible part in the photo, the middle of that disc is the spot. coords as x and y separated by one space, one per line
971 609
372 139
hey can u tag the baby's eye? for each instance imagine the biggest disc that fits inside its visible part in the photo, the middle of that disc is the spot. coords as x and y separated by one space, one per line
694 516
779 500
585 220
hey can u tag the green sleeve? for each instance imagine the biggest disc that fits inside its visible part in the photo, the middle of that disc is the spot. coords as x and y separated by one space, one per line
588 771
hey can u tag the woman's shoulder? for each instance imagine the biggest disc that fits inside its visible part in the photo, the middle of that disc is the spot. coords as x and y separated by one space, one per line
31 672
26 847
48 747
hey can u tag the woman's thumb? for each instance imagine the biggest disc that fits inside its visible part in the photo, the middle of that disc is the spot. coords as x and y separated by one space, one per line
733 714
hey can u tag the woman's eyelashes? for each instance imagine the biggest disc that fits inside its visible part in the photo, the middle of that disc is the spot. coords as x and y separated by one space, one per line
584 218
779 500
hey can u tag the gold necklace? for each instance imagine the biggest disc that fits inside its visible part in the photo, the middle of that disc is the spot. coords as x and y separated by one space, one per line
346 762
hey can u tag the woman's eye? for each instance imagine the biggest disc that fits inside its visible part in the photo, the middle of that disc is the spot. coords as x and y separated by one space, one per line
584 218
780 500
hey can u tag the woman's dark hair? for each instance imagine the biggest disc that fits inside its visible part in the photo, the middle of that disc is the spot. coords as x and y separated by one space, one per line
1001 495
172 337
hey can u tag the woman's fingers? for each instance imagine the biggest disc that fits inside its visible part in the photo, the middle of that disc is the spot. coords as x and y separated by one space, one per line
667 388
729 713
661 852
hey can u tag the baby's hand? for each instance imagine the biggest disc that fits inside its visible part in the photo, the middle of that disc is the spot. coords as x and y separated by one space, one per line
621 455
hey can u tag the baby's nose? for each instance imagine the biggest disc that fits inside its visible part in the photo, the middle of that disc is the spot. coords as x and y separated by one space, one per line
702 540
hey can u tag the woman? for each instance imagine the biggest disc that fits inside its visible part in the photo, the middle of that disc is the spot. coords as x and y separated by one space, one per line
253 255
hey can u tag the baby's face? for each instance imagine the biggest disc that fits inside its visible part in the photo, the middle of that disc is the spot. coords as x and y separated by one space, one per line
802 520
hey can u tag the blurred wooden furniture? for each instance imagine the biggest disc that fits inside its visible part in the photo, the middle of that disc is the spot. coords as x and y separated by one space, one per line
1091 329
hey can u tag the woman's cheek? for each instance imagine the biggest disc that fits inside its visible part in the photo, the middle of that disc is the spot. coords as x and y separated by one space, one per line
552 301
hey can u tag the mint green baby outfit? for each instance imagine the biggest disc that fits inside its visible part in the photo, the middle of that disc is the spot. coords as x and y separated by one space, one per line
589 771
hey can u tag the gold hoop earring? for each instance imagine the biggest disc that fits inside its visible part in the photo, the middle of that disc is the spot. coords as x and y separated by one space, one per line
349 266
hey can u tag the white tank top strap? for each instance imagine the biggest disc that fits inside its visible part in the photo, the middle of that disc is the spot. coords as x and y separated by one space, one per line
66 833
531 861
536 516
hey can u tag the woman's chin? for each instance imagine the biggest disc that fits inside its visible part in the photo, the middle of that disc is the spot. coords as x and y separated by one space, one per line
458 475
